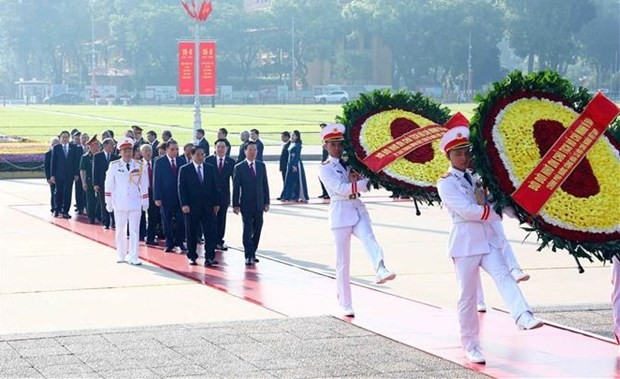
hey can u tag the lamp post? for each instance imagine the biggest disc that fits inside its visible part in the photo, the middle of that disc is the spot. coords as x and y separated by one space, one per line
198 13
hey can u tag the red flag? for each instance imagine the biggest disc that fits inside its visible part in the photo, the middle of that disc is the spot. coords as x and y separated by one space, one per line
188 10
205 10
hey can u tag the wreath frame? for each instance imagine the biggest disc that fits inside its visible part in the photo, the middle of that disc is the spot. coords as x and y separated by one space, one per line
357 111
552 84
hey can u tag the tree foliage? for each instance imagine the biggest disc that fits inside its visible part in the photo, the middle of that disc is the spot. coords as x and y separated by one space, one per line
432 42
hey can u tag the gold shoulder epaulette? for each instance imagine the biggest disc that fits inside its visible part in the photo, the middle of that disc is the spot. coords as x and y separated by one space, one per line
447 174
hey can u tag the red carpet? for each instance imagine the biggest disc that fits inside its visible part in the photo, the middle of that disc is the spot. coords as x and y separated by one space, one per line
546 352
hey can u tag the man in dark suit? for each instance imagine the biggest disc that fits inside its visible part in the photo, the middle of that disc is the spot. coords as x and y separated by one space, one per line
64 171
201 141
224 167
48 172
244 136
199 199
255 136
251 198
151 218
165 193
101 163
151 137
222 134
80 196
286 142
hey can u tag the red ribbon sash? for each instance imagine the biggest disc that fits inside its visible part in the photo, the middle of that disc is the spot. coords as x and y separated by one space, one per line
565 154
402 146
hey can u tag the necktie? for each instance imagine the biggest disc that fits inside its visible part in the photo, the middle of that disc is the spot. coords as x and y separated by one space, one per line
220 165
199 170
65 148
468 178
252 169
344 164
127 166
174 167
150 170
107 157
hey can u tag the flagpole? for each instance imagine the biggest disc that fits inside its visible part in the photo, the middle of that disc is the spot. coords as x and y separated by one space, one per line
198 14
197 115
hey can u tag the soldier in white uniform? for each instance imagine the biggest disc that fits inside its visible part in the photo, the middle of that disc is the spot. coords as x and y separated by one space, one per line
474 243
348 216
508 254
127 194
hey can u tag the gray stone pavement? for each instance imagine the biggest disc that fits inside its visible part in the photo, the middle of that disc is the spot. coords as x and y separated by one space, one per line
592 318
317 347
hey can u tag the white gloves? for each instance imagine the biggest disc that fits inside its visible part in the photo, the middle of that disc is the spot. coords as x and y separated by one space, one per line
509 211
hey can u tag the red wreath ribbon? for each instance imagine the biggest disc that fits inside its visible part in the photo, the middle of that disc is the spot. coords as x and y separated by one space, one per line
402 146
565 154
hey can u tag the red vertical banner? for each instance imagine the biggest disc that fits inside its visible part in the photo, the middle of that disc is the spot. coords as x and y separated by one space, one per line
207 68
186 68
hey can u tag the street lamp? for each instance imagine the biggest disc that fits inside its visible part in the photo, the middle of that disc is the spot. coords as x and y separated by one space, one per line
198 13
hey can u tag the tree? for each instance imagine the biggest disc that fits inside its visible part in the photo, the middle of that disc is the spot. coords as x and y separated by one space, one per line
430 39
318 27
547 30
600 42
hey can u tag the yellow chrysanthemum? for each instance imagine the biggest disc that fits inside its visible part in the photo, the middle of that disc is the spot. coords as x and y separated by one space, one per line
375 133
518 149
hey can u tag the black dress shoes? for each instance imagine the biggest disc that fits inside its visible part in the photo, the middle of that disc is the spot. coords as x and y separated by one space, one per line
66 216
192 262
221 248
211 262
255 260
183 249
169 250
249 261
106 227
56 214
151 243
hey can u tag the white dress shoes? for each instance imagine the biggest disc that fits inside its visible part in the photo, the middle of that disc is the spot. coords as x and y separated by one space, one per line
383 275
475 356
519 275
135 263
348 311
527 321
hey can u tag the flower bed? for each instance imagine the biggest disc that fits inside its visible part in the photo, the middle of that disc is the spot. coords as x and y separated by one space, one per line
380 117
514 126
19 154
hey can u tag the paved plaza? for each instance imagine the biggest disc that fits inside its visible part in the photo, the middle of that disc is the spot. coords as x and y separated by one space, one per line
68 310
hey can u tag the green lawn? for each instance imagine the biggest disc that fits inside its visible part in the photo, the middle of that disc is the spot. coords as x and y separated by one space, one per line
42 122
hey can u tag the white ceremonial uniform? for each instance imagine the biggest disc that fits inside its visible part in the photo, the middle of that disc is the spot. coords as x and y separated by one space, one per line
348 216
615 297
127 193
473 244
507 253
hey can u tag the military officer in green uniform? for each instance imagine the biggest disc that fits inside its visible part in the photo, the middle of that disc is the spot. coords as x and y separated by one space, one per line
86 173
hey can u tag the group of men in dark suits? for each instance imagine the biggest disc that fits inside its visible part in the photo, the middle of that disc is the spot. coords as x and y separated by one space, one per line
189 196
